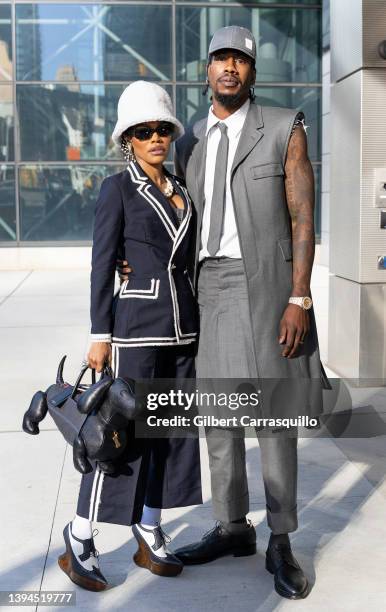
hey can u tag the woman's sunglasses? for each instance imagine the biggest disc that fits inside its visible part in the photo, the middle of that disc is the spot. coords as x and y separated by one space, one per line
143 132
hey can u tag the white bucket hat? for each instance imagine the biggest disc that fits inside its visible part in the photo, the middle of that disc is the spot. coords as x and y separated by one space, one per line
142 101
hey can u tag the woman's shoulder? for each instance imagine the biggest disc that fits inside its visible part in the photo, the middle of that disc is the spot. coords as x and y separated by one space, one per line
118 177
120 180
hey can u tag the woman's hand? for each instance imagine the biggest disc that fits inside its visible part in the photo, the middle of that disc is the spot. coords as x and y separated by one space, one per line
99 355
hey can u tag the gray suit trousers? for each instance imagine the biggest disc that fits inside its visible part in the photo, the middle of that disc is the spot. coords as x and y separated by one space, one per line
226 351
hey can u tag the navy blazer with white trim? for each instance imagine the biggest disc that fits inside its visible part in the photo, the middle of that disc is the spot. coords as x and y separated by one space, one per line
156 306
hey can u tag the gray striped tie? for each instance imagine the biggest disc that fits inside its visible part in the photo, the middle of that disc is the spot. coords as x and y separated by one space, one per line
218 197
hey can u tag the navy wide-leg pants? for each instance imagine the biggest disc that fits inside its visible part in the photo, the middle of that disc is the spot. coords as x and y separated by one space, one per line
162 472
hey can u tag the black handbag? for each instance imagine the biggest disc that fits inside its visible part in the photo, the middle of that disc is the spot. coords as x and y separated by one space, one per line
90 418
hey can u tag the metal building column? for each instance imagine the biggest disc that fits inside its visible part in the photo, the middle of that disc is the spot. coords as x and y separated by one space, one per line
357 308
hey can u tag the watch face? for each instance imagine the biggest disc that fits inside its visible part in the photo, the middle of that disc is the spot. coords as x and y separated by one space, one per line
307 303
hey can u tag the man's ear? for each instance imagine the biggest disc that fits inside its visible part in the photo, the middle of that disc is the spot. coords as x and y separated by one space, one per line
206 87
253 77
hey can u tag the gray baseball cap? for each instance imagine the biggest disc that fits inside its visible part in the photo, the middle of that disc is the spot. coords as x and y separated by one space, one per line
233 37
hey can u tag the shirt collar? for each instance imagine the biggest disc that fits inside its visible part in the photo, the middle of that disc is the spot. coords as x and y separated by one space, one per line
234 122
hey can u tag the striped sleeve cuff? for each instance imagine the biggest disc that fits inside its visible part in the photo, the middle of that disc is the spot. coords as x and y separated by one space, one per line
100 337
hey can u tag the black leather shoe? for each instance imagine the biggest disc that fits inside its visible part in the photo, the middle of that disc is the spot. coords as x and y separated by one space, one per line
219 542
81 567
290 580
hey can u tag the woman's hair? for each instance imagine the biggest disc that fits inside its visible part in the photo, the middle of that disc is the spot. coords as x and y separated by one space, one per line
125 134
125 145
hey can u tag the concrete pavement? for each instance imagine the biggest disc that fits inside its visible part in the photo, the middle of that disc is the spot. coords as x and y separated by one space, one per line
342 492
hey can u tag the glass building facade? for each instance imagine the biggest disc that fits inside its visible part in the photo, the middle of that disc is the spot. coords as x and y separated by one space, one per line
64 65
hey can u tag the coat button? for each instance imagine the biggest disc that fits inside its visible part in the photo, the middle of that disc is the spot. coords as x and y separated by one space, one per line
173 266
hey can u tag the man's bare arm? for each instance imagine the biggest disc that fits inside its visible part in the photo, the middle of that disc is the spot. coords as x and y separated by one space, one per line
300 192
299 186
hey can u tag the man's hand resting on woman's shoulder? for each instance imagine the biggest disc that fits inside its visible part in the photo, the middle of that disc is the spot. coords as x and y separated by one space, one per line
123 269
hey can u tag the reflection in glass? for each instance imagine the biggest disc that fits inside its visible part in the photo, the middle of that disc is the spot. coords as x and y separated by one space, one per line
5 43
7 204
307 99
192 106
68 122
6 123
77 42
287 40
57 203
65 116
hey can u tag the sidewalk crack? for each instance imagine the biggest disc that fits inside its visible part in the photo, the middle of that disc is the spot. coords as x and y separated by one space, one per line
52 524
5 298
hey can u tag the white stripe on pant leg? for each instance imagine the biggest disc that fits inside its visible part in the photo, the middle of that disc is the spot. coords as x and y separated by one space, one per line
115 359
92 496
116 373
97 488
98 495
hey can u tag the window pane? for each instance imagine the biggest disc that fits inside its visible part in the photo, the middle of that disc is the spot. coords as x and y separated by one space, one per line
68 122
6 70
7 204
77 42
6 123
192 105
288 41
307 99
57 203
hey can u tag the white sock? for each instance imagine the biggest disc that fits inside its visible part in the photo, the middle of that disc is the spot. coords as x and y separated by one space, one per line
81 527
151 517
78 550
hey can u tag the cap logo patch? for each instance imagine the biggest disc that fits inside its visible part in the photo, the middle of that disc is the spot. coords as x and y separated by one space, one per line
248 43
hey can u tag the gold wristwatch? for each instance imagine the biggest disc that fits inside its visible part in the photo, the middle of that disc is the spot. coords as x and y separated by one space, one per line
303 302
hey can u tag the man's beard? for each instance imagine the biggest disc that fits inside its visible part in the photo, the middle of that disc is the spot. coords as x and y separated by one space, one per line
230 101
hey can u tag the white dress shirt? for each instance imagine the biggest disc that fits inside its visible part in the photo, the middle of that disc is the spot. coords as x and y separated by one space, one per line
229 244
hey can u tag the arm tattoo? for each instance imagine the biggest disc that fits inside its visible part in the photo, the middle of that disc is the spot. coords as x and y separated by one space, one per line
300 192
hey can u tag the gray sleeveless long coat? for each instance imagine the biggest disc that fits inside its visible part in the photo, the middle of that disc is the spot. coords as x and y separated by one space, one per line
264 229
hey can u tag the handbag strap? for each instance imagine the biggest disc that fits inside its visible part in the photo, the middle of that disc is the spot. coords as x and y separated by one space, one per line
107 371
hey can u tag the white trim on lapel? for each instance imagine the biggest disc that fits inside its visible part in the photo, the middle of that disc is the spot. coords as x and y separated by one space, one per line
180 235
143 190
185 221
176 233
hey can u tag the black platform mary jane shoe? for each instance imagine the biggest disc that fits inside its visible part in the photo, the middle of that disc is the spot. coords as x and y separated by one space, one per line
80 562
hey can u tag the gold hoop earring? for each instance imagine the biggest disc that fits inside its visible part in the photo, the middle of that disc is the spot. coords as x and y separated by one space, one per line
127 150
